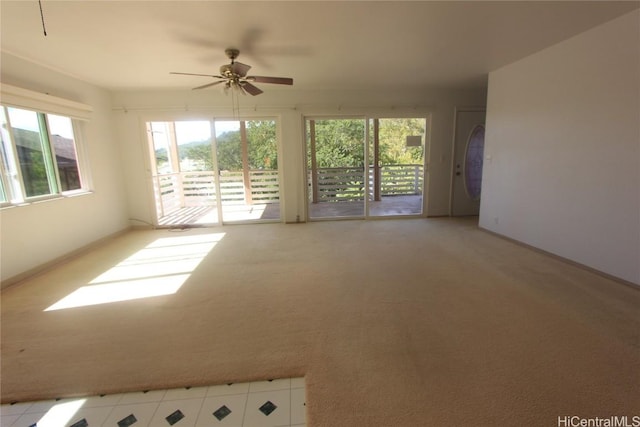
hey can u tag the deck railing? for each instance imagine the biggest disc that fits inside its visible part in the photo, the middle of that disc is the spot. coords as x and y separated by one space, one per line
346 184
189 189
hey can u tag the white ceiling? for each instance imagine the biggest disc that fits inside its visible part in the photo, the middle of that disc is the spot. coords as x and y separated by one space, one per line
123 45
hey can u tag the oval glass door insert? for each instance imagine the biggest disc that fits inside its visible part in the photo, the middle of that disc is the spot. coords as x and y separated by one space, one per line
473 163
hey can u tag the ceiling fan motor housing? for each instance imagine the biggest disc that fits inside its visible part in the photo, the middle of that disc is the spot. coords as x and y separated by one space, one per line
234 75
227 71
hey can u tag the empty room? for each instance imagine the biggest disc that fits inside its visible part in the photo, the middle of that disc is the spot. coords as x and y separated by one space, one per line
320 214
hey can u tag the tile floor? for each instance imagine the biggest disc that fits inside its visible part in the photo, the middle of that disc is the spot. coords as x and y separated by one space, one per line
273 403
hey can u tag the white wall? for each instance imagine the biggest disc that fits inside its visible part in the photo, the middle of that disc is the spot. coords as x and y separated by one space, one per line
134 108
563 140
36 234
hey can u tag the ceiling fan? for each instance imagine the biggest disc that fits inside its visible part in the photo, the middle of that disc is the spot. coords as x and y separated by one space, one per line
234 76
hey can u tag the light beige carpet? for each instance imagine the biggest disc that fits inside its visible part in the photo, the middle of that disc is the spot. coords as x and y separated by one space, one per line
393 323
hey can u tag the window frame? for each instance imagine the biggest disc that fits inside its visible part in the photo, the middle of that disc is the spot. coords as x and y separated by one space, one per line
14 193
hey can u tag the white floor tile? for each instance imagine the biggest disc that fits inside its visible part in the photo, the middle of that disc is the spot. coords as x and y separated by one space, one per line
232 405
186 393
281 415
231 411
41 406
298 406
143 413
280 384
187 417
104 400
142 397
8 420
93 416
27 420
15 409
224 389
297 383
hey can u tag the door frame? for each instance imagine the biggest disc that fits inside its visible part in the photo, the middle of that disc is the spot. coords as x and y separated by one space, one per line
452 175
151 172
306 171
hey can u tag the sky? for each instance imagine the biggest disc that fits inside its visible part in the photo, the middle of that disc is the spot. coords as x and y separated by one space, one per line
25 119
188 131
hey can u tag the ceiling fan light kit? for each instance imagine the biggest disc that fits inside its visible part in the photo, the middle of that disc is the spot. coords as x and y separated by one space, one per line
234 76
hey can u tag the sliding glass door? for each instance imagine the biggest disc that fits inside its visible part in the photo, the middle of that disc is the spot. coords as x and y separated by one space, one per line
396 166
247 155
345 181
336 168
207 172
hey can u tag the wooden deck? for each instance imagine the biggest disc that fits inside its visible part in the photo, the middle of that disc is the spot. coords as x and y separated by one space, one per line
388 206
189 198
207 215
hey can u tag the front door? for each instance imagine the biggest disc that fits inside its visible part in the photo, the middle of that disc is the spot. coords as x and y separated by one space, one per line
468 160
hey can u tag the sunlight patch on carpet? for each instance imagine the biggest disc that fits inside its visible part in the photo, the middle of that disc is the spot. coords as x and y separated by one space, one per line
160 268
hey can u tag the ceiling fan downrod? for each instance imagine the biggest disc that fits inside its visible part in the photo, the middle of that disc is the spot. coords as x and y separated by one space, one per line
232 54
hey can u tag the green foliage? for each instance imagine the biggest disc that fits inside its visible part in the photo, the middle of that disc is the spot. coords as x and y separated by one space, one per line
263 145
32 163
339 143
199 151
262 148
393 134
229 151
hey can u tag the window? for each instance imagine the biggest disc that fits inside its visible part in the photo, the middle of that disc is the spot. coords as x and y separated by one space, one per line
39 157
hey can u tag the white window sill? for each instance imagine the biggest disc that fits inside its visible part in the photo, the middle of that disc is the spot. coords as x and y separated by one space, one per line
47 198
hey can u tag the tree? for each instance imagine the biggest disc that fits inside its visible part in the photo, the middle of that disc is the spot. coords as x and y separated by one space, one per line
263 146
393 134
339 143
229 152
199 152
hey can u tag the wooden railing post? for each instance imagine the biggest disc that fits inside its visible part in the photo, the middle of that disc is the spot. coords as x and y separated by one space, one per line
314 162
376 160
245 163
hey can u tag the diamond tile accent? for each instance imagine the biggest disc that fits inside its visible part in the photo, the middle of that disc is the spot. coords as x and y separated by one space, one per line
268 408
221 412
127 421
174 417
267 403
82 423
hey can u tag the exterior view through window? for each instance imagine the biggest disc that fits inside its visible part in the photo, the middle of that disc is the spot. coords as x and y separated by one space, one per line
344 182
206 172
38 156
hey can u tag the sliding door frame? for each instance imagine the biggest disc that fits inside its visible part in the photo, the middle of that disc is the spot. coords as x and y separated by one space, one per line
369 120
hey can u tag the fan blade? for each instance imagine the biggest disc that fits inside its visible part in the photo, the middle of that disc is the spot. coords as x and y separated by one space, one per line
253 90
192 74
240 69
276 80
208 85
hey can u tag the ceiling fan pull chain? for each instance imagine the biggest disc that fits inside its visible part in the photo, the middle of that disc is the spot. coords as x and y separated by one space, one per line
44 28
